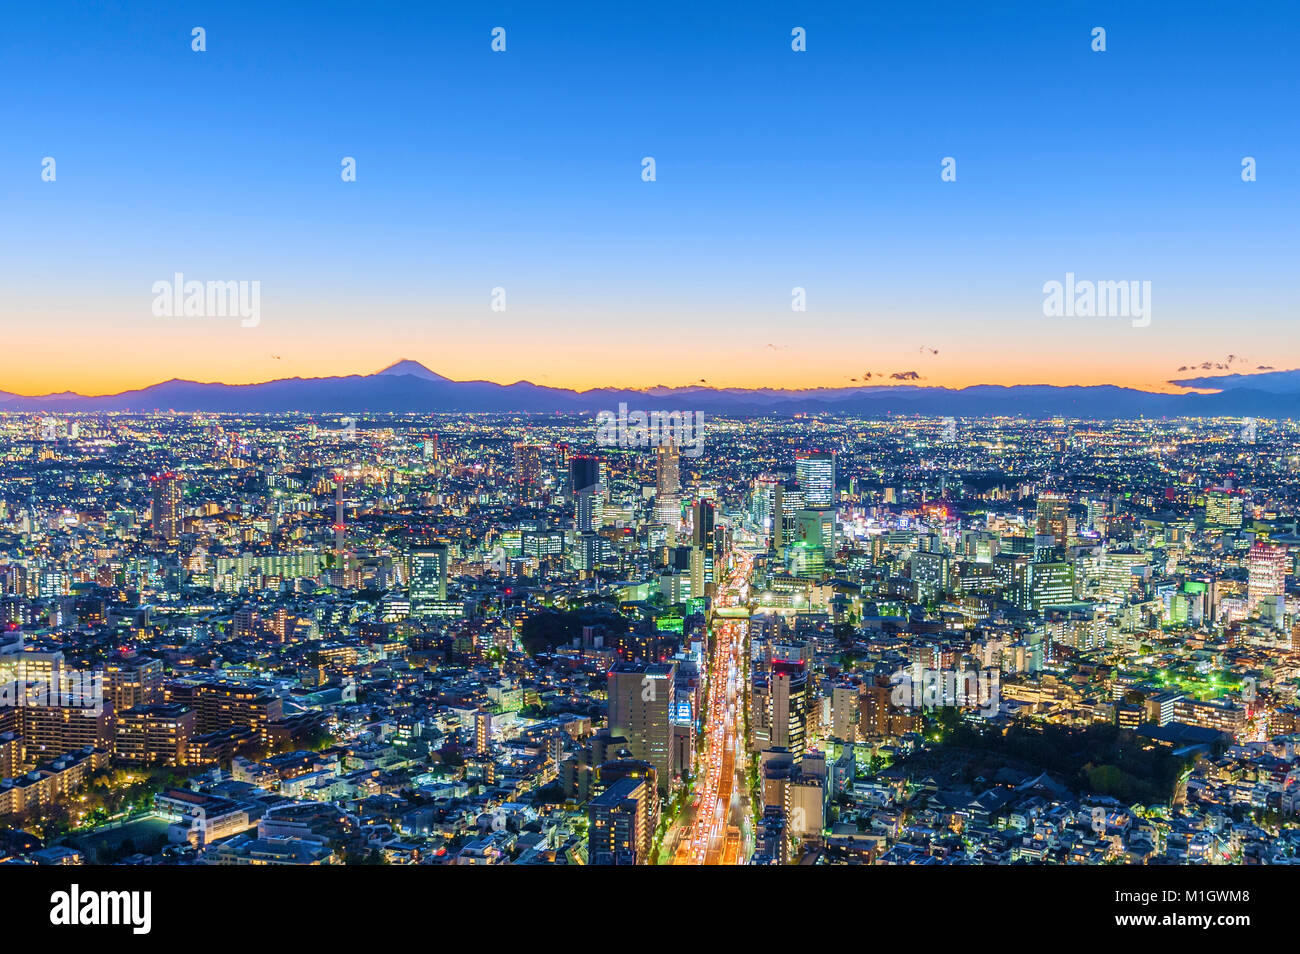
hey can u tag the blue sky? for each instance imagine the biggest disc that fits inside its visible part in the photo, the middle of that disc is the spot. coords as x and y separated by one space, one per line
522 170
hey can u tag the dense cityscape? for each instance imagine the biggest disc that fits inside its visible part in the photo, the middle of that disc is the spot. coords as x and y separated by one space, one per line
542 639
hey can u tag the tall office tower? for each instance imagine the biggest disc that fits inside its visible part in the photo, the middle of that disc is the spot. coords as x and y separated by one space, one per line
584 478
1039 584
429 447
1223 508
813 541
762 503
981 546
668 485
789 500
563 453
482 731
428 576
640 709
930 573
620 831
1053 516
845 712
528 465
880 717
340 527
703 523
133 681
154 734
165 514
1266 587
778 518
703 530
815 473
788 689
1099 514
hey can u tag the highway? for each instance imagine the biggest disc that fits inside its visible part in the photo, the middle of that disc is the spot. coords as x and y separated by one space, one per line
715 827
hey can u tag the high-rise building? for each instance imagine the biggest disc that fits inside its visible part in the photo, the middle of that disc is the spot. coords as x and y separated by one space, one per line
789 701
788 500
619 830
1266 571
815 473
845 712
931 573
1053 517
668 485
165 513
588 502
340 521
154 734
763 503
1036 585
133 681
1223 508
528 465
428 575
224 705
703 531
813 541
641 700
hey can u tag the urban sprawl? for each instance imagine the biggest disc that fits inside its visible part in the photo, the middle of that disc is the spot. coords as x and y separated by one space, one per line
501 639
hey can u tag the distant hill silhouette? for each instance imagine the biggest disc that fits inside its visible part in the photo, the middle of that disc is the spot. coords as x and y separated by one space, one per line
408 386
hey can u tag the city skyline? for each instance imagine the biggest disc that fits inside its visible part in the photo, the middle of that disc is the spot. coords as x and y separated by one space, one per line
1207 378
493 434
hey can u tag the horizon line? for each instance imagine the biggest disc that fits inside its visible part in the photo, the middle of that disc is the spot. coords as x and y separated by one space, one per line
917 384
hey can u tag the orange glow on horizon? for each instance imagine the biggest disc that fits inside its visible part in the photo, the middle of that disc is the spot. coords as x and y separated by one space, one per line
53 359
108 381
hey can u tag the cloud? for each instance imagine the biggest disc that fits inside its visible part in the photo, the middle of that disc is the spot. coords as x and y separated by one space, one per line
1224 365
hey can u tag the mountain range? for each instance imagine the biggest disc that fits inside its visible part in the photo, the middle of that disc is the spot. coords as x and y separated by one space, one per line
408 386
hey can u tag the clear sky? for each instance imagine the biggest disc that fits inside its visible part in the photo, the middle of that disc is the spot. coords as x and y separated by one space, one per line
522 170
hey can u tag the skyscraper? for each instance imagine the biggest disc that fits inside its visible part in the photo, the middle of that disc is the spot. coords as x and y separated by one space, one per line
815 473
1223 508
340 525
1266 587
165 513
703 529
620 831
1053 517
789 702
428 579
640 709
528 464
588 504
763 502
668 485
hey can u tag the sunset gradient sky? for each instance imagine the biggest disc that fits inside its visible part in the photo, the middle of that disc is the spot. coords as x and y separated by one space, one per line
523 170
